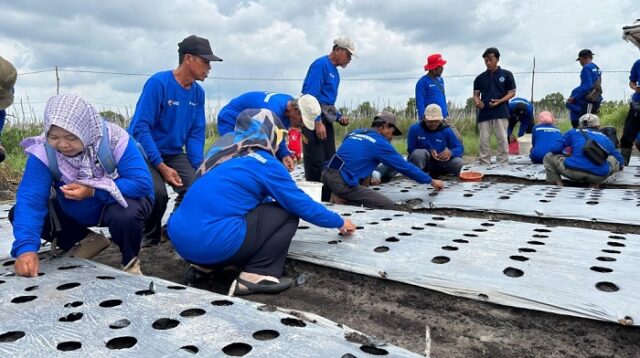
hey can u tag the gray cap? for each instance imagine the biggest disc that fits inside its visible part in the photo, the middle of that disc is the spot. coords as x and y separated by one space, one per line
589 120
389 118
8 75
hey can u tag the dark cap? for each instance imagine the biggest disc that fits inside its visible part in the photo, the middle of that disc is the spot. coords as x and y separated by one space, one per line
584 53
389 118
198 46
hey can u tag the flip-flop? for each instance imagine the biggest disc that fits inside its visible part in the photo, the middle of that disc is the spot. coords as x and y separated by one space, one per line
262 286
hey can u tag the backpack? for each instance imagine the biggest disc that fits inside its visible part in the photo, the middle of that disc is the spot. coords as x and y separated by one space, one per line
593 150
612 134
105 156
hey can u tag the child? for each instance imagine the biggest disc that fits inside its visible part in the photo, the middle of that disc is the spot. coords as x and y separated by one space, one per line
295 144
544 134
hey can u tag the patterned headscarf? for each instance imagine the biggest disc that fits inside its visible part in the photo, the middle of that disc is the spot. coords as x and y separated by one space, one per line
75 115
255 129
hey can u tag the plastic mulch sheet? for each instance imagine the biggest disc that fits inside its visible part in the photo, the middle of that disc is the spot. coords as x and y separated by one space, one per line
600 205
78 308
570 271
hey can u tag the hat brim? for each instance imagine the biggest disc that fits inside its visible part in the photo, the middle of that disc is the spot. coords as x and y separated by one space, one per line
396 131
308 123
211 57
6 99
433 66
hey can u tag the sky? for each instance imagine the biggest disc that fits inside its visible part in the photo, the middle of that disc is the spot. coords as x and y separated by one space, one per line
268 45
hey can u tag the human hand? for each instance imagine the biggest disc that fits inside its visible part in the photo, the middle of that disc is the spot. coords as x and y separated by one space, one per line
637 89
321 131
288 163
437 184
76 191
27 264
445 155
571 100
480 104
344 120
169 175
494 103
348 228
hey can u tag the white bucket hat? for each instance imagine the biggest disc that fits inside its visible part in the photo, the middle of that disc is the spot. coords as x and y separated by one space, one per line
310 110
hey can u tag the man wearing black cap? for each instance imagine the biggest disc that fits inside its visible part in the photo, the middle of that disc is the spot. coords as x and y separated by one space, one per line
360 153
588 96
169 116
8 75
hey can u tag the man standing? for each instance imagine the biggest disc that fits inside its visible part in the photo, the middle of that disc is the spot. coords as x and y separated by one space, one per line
293 112
588 96
492 90
432 145
632 124
169 116
8 75
430 87
520 110
322 81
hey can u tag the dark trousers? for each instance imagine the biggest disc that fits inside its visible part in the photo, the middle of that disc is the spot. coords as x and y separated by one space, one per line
358 195
270 229
631 126
125 226
578 110
181 164
316 153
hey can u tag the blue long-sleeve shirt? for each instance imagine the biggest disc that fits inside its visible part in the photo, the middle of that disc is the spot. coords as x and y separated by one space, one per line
574 139
209 226
525 121
134 181
364 149
275 102
588 76
169 117
322 81
542 139
634 76
420 137
428 91
3 115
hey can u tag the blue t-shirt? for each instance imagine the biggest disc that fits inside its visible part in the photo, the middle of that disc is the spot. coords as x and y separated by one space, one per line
420 137
169 117
322 81
542 139
494 85
134 181
578 161
430 91
364 149
525 121
634 76
588 76
275 102
209 226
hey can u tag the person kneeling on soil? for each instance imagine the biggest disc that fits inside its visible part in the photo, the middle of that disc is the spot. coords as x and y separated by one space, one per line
545 134
72 156
360 153
593 158
225 219
432 145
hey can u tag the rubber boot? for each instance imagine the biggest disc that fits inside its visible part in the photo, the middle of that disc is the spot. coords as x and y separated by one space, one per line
626 154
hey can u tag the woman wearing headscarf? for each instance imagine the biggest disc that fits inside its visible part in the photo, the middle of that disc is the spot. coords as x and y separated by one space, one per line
544 134
225 218
86 195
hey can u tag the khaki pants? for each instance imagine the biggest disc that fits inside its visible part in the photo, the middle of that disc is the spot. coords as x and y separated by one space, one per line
499 127
554 168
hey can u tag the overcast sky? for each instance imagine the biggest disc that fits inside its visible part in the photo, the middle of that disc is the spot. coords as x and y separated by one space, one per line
278 39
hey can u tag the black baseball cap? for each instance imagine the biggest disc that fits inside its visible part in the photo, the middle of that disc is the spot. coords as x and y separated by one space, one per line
584 53
198 46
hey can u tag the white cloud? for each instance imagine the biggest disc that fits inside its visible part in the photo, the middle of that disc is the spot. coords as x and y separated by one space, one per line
267 39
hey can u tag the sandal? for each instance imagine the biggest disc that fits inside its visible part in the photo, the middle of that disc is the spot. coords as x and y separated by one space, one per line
262 286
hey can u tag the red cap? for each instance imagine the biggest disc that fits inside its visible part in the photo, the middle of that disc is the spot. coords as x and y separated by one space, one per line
434 61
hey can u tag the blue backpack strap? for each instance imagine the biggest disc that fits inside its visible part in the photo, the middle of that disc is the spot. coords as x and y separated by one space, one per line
53 162
105 155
